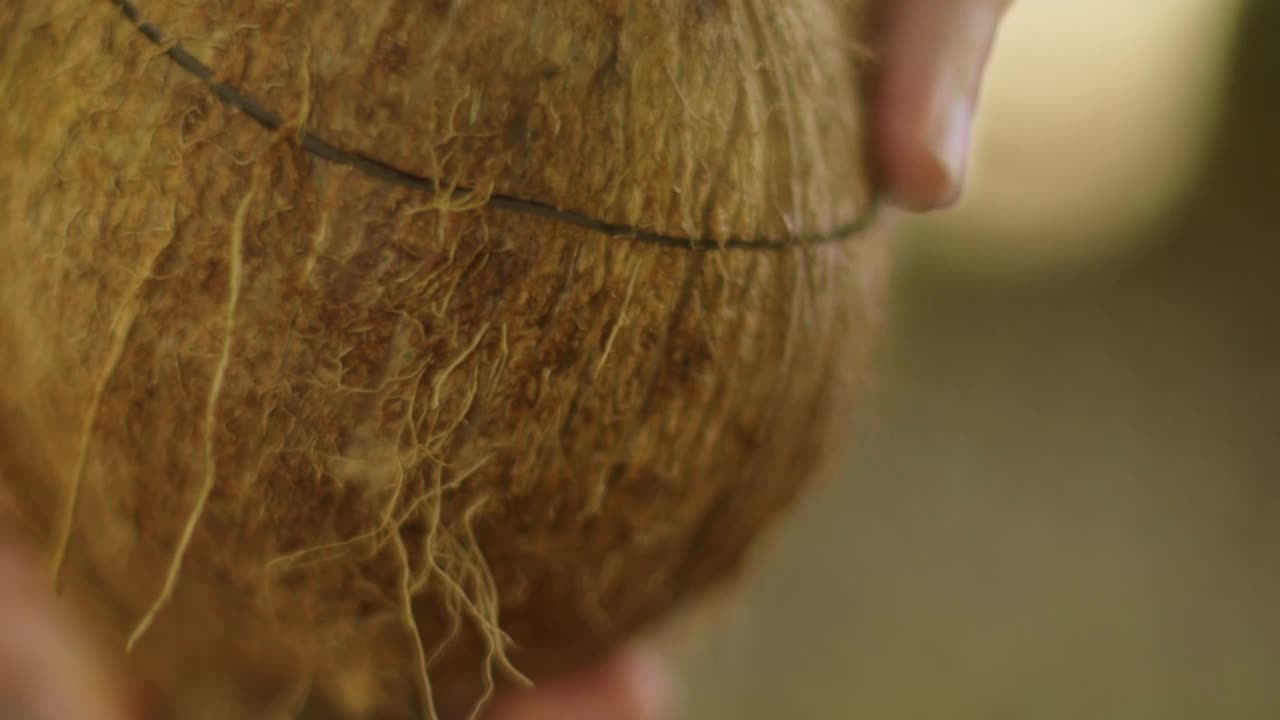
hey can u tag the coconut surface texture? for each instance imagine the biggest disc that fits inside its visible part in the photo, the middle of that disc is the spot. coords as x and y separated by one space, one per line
360 359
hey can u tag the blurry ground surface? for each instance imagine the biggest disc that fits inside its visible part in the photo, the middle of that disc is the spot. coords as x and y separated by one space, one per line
1066 503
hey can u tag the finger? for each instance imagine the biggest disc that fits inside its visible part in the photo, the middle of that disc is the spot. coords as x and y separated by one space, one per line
45 673
933 55
634 685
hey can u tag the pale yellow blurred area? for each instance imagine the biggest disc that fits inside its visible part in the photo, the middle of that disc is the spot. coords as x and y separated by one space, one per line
1062 500
1093 123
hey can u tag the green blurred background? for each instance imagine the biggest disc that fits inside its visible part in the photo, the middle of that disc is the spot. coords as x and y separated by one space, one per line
1063 498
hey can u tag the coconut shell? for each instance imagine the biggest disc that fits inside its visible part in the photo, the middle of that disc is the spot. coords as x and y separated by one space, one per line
367 357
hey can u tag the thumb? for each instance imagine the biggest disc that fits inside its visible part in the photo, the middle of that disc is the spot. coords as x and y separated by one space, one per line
933 56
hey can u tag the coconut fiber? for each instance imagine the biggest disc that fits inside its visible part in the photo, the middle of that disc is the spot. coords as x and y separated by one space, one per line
362 359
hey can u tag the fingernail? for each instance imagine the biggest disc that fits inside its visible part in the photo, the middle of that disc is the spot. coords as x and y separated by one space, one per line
936 57
962 65
949 141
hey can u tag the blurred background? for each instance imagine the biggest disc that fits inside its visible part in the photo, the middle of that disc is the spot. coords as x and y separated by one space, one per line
1064 497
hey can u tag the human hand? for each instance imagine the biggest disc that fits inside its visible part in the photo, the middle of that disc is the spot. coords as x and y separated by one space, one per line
632 685
46 671
932 55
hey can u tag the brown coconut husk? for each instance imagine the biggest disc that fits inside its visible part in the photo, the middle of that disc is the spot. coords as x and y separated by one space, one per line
372 356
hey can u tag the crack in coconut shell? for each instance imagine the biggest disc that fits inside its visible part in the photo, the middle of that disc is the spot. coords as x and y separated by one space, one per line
370 166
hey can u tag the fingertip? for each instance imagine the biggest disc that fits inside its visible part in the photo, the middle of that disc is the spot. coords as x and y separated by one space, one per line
634 684
46 673
647 678
921 179
934 56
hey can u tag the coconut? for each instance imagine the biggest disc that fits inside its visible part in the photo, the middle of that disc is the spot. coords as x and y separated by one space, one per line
371 357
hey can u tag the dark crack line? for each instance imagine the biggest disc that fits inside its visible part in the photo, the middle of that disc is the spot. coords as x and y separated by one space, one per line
381 170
